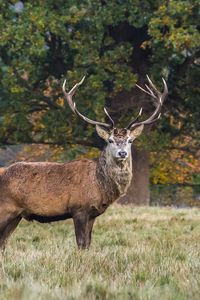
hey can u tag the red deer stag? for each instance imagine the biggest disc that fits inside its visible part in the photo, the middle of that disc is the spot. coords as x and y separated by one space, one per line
81 189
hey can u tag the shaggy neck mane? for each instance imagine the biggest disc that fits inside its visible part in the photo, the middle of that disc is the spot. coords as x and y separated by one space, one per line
114 175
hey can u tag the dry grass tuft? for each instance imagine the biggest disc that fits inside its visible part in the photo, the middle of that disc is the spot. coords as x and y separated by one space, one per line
136 253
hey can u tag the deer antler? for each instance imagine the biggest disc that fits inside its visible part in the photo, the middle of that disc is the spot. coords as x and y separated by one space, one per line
152 91
72 105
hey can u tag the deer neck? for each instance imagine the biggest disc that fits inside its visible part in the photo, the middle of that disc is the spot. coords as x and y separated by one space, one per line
113 175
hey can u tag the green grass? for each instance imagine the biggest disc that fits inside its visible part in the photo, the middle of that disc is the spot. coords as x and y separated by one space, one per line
136 253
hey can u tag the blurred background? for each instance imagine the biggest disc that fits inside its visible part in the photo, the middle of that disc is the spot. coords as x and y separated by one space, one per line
115 44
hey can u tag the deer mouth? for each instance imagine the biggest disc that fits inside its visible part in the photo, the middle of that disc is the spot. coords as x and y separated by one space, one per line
121 158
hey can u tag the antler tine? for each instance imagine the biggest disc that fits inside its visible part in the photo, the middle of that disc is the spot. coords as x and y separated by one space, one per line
152 85
160 98
150 91
109 117
143 90
159 94
134 120
72 105
73 90
68 96
165 93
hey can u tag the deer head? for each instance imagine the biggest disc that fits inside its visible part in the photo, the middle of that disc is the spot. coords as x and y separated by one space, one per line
119 140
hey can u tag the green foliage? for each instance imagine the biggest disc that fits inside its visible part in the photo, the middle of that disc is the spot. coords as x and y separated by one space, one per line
45 41
196 179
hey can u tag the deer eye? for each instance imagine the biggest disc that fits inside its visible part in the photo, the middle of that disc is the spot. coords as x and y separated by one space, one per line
110 141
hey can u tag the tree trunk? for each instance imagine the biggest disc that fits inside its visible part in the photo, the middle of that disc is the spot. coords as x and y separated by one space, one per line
138 192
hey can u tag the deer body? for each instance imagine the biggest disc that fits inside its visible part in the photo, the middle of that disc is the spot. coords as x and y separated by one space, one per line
81 189
53 189
50 189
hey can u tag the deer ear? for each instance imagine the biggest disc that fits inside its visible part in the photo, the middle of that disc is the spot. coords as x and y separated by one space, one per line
103 132
134 133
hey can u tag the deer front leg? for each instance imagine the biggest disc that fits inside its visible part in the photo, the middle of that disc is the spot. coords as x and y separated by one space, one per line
80 223
83 228
89 227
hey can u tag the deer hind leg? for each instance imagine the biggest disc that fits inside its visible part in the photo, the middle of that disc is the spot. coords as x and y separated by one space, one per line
83 228
8 223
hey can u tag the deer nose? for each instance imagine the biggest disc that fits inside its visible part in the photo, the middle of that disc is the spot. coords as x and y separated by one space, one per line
122 154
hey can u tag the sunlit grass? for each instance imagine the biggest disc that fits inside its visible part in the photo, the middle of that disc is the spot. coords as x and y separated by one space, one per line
136 253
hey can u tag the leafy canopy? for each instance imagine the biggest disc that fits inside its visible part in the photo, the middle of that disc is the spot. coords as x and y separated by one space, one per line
43 41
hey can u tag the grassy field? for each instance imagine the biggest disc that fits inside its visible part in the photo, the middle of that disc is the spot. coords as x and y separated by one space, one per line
136 253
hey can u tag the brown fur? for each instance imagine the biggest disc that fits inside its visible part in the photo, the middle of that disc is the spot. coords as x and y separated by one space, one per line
2 170
81 189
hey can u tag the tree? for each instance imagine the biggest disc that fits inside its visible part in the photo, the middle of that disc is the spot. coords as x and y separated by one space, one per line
115 43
